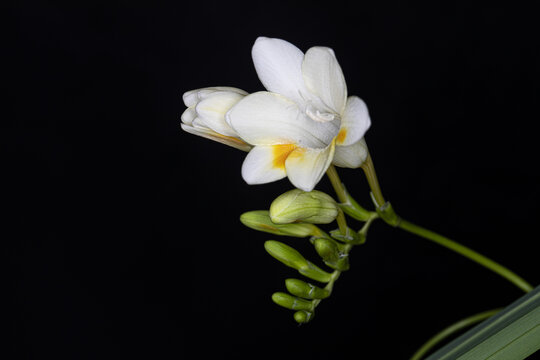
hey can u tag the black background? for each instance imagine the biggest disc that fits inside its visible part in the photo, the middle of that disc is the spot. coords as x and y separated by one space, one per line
123 230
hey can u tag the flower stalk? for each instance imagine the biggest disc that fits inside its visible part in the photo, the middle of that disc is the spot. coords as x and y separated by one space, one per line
371 175
389 216
337 184
468 253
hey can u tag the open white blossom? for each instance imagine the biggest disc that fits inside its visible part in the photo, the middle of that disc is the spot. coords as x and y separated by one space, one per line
305 122
205 115
296 129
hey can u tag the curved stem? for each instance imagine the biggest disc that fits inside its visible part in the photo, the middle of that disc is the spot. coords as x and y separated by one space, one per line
388 215
452 329
468 253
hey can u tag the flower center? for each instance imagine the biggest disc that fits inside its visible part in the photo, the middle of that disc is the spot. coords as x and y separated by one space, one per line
320 116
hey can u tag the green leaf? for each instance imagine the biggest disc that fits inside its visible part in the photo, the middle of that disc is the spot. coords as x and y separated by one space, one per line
512 334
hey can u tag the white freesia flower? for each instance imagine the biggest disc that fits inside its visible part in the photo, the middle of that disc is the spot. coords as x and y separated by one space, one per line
205 115
304 123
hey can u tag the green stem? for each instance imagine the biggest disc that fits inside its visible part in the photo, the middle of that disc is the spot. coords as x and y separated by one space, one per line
329 286
371 175
468 253
337 184
452 329
363 231
388 215
342 223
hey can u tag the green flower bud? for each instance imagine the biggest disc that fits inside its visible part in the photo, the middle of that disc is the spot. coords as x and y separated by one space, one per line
303 317
305 290
327 249
260 220
291 302
294 259
332 254
296 205
285 254
313 272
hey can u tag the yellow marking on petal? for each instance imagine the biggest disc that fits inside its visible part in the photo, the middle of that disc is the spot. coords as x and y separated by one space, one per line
280 154
297 153
341 136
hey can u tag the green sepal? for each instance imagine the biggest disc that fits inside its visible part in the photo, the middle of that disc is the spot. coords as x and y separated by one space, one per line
332 253
353 209
294 259
305 290
341 265
314 207
387 213
303 317
260 220
351 237
291 302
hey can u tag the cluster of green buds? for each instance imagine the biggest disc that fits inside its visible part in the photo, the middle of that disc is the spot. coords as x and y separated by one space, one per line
297 213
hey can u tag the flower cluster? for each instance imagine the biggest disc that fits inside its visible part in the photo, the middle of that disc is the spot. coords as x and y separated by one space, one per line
299 127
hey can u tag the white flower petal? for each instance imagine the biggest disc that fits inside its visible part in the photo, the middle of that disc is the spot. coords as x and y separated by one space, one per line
192 97
279 66
265 164
306 167
324 78
188 116
265 118
351 156
212 109
354 123
196 129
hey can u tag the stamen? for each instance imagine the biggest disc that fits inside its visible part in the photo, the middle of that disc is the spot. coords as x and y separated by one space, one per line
317 115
